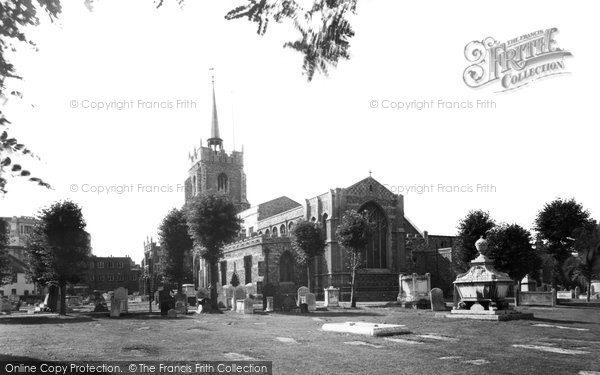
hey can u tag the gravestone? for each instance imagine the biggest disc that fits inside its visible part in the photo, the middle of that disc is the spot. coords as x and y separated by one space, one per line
311 301
164 301
5 306
289 303
268 291
221 298
577 292
249 306
228 291
240 292
171 313
250 290
269 307
120 296
332 297
436 296
115 308
302 291
180 304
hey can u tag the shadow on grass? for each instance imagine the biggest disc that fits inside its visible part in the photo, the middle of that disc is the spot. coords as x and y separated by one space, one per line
558 321
329 314
34 320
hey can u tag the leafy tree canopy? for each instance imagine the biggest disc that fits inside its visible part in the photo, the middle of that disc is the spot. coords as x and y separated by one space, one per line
476 224
213 222
308 239
176 247
511 248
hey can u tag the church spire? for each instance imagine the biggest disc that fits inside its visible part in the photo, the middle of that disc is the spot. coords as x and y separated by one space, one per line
214 140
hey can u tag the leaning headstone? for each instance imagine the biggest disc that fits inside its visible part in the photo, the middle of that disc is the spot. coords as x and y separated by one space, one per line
302 291
311 301
120 296
436 296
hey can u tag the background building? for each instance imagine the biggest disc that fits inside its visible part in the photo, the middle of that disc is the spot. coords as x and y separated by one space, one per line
18 230
109 273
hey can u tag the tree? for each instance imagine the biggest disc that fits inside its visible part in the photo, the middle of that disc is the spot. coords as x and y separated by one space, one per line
17 16
176 247
308 239
235 280
510 247
353 235
587 244
475 225
323 27
4 263
213 222
555 225
59 247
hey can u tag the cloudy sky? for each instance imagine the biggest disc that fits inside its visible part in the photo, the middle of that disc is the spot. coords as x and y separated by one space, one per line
300 138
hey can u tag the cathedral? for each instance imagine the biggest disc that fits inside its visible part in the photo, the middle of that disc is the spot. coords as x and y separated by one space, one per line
263 255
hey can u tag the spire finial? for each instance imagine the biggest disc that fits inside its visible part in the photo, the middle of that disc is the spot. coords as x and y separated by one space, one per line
215 139
370 173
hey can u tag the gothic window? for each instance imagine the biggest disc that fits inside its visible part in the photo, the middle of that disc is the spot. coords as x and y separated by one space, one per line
248 268
324 224
286 267
260 233
194 185
222 182
290 228
267 232
313 219
375 255
224 272
282 230
274 232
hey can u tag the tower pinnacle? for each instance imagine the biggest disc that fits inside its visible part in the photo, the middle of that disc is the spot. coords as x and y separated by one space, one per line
215 139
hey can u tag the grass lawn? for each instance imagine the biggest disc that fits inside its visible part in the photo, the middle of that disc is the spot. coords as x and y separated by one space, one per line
563 340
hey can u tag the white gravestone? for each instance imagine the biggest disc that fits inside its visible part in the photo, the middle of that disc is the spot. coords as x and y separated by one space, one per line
332 297
302 291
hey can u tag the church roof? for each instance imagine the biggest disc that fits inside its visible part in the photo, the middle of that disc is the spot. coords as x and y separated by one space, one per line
276 206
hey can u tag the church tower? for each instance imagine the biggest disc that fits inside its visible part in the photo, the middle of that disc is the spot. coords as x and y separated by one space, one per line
213 170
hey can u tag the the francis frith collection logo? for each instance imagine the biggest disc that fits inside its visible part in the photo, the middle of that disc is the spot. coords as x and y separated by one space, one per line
514 63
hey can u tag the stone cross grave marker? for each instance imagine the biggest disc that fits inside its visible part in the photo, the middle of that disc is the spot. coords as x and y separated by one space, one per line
436 296
302 291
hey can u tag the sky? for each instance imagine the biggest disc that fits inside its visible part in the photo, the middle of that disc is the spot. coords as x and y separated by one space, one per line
300 139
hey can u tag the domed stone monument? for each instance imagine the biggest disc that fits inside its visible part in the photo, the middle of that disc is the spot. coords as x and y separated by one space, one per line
483 291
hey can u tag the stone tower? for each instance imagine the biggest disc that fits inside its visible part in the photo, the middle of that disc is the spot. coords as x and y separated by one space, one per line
214 170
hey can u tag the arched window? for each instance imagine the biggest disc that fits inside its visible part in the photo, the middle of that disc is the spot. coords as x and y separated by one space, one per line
274 232
282 230
222 183
375 255
324 225
290 228
267 232
260 233
313 219
194 185
286 267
